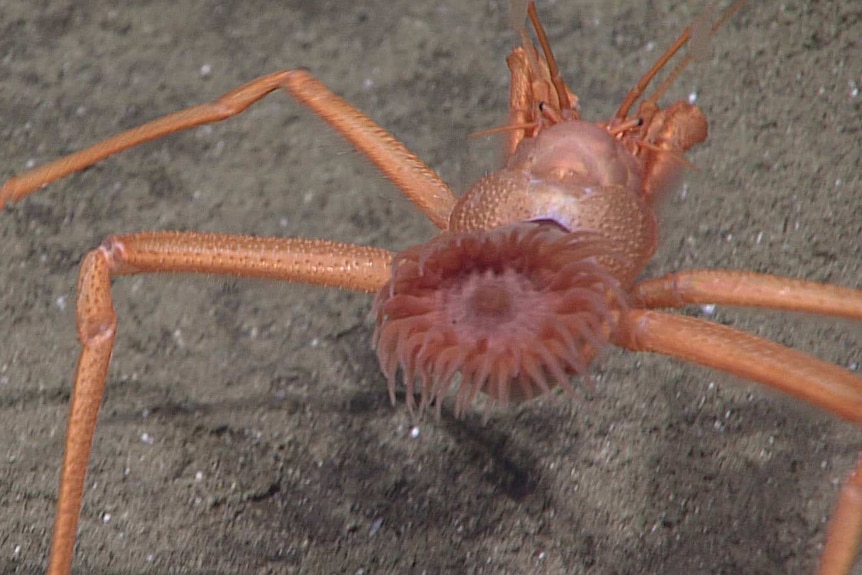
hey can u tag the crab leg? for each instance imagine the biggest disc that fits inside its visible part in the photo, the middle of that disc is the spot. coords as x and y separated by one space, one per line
793 372
747 289
416 180
844 536
299 260
823 384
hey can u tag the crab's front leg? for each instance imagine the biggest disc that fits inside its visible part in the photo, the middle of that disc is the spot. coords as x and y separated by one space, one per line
667 134
418 182
299 260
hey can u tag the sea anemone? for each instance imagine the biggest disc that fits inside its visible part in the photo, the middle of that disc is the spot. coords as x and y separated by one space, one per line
515 311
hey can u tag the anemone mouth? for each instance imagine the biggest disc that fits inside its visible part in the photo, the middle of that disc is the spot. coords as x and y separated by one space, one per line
513 311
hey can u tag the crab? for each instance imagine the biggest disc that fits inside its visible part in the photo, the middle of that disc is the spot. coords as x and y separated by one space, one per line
591 415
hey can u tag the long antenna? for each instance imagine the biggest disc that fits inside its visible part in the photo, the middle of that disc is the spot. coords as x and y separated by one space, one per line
638 90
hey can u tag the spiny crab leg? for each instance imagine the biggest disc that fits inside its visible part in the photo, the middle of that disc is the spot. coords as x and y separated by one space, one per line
299 260
400 165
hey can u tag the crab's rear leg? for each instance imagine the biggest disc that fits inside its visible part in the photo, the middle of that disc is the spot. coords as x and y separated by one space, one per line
844 536
405 169
826 385
808 378
299 260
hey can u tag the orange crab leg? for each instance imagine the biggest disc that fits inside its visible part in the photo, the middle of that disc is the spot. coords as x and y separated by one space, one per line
795 373
299 260
829 386
820 383
747 289
400 165
844 536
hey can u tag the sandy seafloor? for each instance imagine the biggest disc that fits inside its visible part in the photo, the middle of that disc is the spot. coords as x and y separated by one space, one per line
247 428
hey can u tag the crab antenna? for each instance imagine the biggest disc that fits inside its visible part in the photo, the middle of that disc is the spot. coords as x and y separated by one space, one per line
556 78
642 84
517 14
